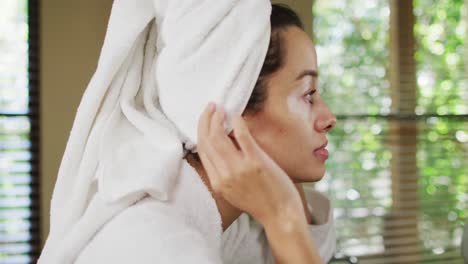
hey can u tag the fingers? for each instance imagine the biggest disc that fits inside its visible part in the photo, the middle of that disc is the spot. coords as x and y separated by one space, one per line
204 121
205 151
217 122
221 141
216 150
210 169
244 138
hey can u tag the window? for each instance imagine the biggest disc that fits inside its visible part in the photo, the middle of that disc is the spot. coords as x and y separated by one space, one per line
398 172
19 132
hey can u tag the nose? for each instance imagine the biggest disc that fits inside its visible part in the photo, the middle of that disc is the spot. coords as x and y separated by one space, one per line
326 120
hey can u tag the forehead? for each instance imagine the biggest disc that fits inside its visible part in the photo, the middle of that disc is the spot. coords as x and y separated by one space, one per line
299 51
298 55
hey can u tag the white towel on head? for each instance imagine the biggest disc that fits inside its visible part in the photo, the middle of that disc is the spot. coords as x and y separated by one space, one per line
161 63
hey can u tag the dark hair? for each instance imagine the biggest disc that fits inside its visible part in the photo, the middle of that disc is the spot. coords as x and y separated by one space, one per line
281 18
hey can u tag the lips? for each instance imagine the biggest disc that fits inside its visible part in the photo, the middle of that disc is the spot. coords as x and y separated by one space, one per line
321 152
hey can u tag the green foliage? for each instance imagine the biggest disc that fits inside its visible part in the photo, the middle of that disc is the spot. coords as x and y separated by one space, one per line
15 189
442 153
352 50
353 53
440 34
13 56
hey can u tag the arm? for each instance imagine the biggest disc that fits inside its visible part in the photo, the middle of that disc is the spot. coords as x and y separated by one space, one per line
321 223
245 240
318 215
289 240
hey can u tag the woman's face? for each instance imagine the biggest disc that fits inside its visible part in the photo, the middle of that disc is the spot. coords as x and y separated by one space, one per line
293 124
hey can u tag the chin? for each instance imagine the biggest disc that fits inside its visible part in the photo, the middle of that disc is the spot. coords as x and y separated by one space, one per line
314 176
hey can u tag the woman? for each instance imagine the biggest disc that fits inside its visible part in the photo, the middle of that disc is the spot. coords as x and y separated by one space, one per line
285 119
278 143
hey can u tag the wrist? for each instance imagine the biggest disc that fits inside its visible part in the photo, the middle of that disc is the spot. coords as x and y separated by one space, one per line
290 242
288 218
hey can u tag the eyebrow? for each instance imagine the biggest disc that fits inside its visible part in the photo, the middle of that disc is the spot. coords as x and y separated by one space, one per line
305 73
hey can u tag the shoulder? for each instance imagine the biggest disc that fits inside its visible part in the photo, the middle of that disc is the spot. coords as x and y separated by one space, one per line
147 232
320 206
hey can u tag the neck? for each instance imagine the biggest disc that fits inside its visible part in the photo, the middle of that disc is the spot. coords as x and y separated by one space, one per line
228 212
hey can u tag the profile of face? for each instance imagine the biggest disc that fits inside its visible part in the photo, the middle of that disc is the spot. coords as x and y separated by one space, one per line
293 124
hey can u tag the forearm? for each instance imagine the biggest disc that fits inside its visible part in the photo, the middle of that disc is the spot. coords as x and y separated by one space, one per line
290 242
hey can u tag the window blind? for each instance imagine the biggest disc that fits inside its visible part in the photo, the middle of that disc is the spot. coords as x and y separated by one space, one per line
19 131
393 73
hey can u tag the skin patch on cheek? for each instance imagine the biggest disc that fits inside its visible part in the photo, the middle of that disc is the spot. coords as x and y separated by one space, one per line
292 103
297 106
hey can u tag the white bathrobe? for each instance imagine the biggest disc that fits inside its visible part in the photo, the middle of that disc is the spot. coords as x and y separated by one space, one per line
187 229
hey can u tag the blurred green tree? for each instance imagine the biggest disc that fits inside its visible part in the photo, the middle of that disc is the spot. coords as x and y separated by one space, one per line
352 39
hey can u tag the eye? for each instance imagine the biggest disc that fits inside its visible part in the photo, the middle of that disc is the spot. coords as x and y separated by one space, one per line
310 96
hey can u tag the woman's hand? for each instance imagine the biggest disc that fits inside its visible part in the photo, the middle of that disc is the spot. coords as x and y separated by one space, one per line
242 173
245 176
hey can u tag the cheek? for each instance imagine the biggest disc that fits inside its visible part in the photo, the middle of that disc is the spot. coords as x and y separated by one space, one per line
272 131
302 116
296 105
286 126
291 131
299 109
274 128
